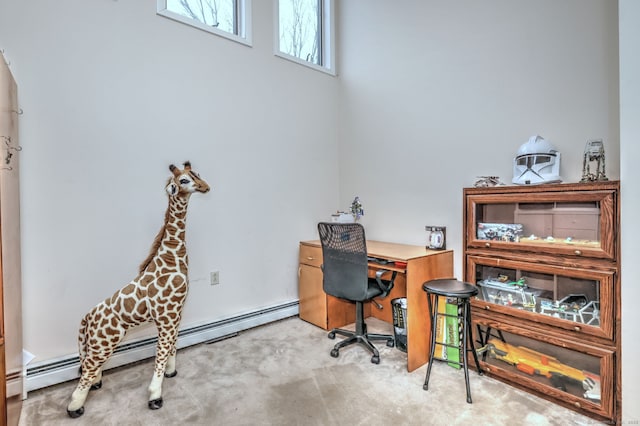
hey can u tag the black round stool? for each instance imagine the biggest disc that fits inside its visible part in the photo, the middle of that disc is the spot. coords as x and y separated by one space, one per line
462 292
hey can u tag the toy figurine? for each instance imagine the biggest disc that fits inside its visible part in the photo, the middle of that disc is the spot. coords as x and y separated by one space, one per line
488 181
593 152
356 209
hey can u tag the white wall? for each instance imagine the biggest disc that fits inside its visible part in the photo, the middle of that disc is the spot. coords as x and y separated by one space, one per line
112 94
437 93
630 175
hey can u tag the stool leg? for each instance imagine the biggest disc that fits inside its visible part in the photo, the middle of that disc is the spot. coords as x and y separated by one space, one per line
472 347
432 310
465 342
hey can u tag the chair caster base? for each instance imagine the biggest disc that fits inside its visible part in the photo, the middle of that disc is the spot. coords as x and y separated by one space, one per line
334 353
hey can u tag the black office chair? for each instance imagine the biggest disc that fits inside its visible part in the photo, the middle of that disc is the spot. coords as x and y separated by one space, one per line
345 275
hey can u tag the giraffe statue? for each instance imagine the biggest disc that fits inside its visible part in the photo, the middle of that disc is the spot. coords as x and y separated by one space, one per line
156 295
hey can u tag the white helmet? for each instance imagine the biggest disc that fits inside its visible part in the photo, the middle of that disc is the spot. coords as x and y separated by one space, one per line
537 162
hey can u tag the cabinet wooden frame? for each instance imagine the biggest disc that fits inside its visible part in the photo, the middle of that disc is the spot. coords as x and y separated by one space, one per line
11 344
3 377
509 374
562 257
606 278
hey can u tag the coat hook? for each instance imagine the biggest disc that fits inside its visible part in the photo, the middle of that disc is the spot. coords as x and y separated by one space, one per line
7 141
5 58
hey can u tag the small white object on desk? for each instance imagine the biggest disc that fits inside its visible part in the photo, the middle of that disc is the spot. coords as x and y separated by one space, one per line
341 217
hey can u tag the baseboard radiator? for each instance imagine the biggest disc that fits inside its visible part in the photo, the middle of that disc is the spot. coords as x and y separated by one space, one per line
64 369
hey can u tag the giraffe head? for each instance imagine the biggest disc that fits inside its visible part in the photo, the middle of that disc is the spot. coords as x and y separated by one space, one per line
185 181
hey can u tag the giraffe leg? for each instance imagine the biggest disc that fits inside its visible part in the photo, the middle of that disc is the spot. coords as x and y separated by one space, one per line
171 362
171 365
91 367
76 407
155 392
97 382
166 337
79 396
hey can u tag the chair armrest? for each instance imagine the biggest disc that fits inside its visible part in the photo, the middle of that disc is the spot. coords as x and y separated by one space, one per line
385 285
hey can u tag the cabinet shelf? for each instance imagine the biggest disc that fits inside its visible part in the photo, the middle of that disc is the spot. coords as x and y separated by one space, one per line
577 300
563 221
565 371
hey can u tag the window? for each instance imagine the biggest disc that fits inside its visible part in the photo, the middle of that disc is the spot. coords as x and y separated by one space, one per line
305 33
226 18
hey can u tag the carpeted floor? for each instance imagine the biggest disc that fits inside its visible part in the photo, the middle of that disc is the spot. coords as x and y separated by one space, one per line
282 374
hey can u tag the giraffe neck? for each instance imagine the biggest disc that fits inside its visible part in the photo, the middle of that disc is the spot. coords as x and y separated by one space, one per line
175 222
169 250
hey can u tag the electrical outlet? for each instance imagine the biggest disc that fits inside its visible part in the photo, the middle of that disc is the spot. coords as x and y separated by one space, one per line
215 277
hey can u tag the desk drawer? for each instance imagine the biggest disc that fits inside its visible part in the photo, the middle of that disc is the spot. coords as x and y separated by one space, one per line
311 256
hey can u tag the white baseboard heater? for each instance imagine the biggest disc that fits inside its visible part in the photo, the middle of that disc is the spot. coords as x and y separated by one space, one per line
64 369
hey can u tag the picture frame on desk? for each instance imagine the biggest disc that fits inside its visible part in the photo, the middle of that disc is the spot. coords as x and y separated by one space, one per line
436 237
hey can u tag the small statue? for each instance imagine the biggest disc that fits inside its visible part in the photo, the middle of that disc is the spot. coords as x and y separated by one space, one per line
593 152
487 181
356 209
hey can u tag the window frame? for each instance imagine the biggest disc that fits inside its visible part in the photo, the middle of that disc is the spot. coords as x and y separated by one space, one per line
243 22
326 53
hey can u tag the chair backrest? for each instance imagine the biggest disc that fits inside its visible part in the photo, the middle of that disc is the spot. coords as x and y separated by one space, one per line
344 254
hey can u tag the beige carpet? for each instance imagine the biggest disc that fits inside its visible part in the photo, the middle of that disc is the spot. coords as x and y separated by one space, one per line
282 374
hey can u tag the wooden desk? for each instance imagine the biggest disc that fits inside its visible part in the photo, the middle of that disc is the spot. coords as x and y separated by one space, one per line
423 265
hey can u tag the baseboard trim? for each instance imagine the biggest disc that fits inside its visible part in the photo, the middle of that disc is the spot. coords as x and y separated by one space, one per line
66 368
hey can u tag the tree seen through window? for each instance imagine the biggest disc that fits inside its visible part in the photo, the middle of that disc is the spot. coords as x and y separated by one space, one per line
300 29
220 14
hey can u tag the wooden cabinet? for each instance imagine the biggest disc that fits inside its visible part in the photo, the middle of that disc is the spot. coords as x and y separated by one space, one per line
546 261
10 273
315 304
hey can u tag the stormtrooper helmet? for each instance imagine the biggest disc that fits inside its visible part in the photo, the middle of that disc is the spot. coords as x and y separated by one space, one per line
536 162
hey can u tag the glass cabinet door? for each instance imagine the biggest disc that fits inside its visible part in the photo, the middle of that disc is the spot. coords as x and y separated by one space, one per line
561 222
569 372
574 299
